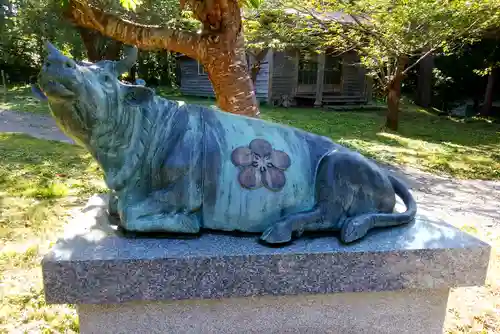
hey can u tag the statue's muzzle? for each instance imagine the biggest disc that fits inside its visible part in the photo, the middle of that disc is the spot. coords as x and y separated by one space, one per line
59 77
58 74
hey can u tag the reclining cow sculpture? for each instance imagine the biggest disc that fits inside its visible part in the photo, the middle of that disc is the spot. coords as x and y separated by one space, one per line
180 168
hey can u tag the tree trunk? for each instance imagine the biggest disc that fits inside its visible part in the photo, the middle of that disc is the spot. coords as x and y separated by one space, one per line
112 51
320 80
132 73
233 87
220 48
488 95
89 40
254 73
97 48
393 98
394 95
256 64
424 95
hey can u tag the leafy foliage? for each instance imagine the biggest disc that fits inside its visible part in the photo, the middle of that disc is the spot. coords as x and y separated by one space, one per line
384 31
23 33
130 4
272 26
462 75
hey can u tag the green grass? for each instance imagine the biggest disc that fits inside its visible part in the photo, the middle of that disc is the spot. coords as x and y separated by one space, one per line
468 149
20 98
461 148
43 183
424 140
476 310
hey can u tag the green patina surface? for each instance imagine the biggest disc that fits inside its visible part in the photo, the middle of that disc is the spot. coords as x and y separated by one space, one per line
170 168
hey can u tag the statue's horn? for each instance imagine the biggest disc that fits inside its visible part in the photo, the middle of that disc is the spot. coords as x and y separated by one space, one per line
129 59
53 53
52 49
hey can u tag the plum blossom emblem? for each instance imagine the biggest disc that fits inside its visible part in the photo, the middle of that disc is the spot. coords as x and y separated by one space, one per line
261 165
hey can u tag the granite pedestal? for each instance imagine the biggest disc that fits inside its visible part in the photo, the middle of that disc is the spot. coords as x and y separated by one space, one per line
395 280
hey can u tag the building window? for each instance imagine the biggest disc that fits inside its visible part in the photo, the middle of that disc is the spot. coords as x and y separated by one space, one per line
333 70
308 69
201 69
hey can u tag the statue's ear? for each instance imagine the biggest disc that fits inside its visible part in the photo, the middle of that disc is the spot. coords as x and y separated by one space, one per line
38 93
136 95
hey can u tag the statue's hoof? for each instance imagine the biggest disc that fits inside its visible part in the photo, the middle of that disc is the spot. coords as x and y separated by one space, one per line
354 229
277 234
189 224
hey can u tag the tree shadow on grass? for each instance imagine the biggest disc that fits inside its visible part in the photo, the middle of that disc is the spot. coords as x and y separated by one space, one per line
414 124
431 141
28 162
439 129
20 98
37 177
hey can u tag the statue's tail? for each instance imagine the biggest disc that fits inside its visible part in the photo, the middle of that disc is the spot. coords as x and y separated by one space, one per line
358 226
411 206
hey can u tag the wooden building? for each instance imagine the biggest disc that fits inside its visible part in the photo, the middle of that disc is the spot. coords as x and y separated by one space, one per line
293 75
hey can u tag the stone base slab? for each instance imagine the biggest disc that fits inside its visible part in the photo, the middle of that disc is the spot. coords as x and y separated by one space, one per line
398 312
95 265
394 280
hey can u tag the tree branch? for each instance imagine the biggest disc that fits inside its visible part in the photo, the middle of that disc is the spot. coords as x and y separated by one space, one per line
221 20
418 61
231 19
348 49
146 37
370 32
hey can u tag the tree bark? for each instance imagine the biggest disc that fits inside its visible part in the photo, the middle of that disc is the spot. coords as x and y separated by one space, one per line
97 47
233 87
320 77
89 40
488 95
220 48
132 73
424 95
256 64
146 37
394 95
112 51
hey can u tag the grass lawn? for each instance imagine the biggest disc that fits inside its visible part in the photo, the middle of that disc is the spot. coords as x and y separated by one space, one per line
44 183
20 98
433 143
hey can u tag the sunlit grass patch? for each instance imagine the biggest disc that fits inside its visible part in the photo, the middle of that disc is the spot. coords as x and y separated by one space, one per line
476 310
20 98
424 140
463 148
42 184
